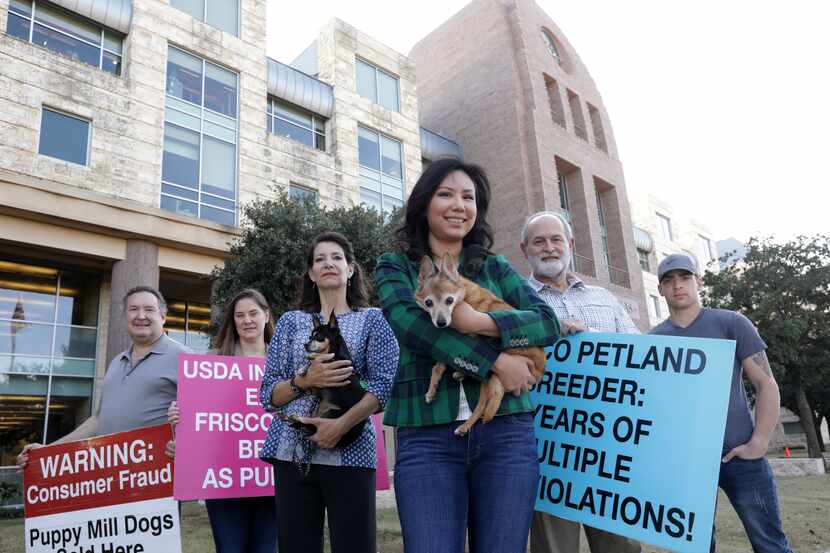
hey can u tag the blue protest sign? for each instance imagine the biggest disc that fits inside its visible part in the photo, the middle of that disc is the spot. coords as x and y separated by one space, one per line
629 434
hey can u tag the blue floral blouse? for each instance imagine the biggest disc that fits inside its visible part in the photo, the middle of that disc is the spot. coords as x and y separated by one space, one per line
374 351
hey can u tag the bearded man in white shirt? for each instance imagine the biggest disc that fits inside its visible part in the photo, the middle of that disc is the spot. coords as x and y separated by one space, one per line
547 244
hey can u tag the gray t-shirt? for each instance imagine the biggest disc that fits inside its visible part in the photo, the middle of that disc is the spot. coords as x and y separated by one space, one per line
726 325
138 396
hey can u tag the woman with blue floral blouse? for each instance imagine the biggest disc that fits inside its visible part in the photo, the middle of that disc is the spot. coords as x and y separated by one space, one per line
313 478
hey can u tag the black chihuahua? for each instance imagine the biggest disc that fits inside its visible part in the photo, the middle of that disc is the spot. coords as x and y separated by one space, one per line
333 402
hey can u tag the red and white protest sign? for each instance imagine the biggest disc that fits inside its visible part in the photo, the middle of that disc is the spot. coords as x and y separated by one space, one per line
222 429
110 494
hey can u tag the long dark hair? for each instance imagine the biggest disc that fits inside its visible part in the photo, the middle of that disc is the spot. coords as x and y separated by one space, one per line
356 295
226 339
413 234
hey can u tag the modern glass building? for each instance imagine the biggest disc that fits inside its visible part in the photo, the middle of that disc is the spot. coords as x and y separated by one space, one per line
51 344
48 345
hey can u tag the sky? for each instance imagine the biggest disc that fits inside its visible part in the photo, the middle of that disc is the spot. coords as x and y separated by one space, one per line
721 108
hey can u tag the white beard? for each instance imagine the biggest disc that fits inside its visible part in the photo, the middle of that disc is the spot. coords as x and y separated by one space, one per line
551 268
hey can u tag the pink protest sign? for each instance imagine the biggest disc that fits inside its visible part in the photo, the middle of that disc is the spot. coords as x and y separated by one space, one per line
382 474
223 427
221 430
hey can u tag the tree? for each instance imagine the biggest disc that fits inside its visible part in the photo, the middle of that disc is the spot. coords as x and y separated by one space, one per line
270 253
819 397
785 290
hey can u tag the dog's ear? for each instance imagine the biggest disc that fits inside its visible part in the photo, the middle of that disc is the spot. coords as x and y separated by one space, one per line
316 320
332 320
427 270
449 267
445 265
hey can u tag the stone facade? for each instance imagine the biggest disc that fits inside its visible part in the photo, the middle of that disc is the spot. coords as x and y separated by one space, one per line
334 56
789 433
797 467
529 111
649 214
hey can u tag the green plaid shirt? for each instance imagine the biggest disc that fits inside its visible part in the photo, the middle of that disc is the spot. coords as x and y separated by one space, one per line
531 323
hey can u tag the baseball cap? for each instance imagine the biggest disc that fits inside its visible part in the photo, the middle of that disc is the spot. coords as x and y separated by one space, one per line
676 261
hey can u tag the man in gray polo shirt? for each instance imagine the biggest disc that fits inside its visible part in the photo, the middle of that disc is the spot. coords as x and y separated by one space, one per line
141 382
745 475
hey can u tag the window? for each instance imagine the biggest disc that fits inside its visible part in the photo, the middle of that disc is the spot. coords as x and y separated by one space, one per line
793 429
64 137
654 307
377 85
65 33
198 173
564 201
642 258
665 227
302 194
381 170
557 111
222 14
188 322
290 121
611 232
577 115
603 230
48 346
596 125
550 43
707 252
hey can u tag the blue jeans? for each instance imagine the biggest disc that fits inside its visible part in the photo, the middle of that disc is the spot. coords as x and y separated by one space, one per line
750 487
483 483
245 525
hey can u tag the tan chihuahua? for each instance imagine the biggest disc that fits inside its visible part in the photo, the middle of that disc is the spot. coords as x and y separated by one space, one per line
439 290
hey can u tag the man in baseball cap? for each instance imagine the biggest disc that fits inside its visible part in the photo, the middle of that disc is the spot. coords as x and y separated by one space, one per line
676 262
745 475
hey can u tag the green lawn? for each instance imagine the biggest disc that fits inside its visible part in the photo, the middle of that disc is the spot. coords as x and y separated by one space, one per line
805 513
805 509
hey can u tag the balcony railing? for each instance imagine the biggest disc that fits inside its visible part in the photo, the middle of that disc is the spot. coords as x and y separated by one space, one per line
619 277
587 266
584 265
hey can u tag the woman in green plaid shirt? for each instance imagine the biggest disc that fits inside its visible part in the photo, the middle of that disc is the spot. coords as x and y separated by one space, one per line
484 483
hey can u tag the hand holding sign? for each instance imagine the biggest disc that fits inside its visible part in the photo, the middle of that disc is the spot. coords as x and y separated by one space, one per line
173 414
23 456
173 419
571 326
